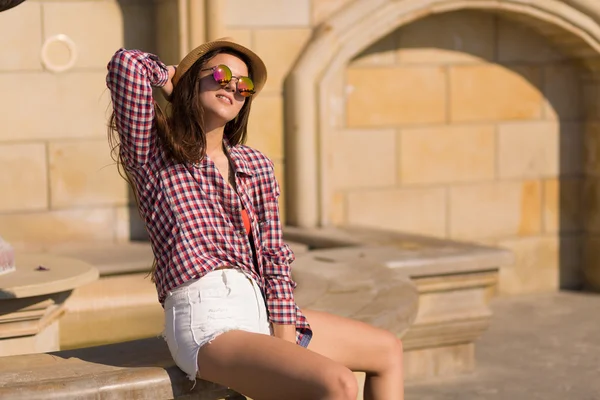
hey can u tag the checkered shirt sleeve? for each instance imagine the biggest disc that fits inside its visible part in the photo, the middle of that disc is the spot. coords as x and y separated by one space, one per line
277 258
131 76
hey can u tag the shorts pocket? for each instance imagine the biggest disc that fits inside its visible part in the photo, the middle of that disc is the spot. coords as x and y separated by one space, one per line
170 336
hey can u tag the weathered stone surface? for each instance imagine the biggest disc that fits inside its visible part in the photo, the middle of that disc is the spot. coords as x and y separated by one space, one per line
141 369
546 345
32 300
43 274
364 291
454 281
7 257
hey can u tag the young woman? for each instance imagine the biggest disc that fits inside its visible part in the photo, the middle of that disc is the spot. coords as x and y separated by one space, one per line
222 270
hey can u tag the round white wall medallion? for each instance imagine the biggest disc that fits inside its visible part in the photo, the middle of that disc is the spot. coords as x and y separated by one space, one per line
53 51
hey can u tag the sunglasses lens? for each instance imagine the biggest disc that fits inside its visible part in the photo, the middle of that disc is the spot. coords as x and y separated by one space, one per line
222 75
245 86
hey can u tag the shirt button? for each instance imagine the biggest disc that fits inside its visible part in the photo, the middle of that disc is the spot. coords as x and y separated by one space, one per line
241 232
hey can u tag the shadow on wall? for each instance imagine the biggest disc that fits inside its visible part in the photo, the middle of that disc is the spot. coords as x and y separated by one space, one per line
559 80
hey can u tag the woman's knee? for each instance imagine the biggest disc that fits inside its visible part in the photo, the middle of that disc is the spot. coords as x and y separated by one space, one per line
393 351
340 384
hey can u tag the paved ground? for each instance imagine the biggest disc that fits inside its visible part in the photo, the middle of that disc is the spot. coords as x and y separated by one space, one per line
538 347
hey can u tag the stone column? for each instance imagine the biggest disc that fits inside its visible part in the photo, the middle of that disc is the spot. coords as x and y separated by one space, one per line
591 193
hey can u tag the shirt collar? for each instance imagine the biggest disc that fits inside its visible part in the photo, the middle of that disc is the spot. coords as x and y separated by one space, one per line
239 159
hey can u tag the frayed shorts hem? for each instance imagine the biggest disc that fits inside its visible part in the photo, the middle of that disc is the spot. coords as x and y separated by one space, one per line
194 373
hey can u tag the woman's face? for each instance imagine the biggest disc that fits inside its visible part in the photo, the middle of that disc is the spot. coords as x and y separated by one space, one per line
221 104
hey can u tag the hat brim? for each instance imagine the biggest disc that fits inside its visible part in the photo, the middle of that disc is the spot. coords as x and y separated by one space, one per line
258 68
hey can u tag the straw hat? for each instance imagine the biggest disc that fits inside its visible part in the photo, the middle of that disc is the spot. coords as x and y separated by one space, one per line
259 70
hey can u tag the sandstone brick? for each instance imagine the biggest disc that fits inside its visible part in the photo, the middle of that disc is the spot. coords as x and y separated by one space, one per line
591 204
571 253
495 93
528 149
592 148
363 159
21 37
241 36
83 174
279 49
590 97
421 211
56 227
138 26
591 263
66 105
563 205
562 87
265 126
447 154
167 31
518 43
536 267
122 228
572 149
337 209
323 9
455 37
497 209
265 13
23 177
384 96
94 27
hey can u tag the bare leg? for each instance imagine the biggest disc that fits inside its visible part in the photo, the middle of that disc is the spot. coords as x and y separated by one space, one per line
361 347
264 367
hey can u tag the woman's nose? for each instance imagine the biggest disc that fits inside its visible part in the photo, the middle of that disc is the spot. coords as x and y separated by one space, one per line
231 86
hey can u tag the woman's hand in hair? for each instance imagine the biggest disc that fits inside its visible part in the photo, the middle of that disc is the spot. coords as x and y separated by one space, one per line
168 88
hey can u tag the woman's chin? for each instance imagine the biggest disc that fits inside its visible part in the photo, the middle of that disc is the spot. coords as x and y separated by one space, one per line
220 114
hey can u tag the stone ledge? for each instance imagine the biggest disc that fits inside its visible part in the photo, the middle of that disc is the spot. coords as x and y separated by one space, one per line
140 369
454 280
364 291
411 254
122 258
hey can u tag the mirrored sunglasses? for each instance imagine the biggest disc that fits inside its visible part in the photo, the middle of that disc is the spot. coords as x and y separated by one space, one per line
223 75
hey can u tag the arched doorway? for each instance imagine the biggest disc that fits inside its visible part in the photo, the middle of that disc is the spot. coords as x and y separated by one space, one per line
327 72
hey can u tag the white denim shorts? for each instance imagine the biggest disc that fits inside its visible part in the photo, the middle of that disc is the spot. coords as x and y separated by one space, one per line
200 310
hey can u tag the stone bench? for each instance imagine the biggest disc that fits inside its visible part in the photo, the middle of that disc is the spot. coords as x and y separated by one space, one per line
140 369
143 369
376 276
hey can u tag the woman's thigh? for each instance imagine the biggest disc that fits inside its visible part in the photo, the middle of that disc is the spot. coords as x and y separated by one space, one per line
264 367
358 346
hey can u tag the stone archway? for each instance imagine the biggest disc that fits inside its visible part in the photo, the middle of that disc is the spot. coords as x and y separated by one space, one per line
571 25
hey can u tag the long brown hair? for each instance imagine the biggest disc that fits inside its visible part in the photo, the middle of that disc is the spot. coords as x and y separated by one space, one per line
180 129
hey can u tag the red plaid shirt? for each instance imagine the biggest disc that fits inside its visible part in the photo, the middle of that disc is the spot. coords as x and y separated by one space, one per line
193 216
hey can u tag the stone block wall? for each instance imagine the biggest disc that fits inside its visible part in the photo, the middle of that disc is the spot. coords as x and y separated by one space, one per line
463 125
58 181
468 126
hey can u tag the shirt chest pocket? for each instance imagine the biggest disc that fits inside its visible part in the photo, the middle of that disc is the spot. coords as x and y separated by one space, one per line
268 213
